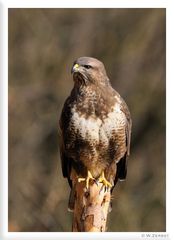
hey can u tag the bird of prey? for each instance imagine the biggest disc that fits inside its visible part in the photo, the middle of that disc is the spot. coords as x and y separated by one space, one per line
95 126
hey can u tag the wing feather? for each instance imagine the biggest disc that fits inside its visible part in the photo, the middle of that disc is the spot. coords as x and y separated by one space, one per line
122 164
63 125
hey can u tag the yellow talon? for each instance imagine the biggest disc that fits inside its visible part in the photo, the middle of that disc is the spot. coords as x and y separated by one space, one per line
103 180
87 179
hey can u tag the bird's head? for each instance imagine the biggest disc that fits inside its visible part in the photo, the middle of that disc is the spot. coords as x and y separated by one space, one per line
87 70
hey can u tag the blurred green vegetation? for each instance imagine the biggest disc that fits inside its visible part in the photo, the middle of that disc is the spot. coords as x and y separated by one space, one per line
43 43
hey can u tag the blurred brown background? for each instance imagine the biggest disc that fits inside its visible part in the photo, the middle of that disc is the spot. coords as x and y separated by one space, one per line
43 43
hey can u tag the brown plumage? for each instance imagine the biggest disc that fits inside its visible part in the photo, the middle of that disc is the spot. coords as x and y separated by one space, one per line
95 126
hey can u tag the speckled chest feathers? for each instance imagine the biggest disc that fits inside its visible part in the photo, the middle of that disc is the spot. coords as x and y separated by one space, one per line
95 127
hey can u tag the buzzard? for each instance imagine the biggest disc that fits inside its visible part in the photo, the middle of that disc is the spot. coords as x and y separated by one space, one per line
95 126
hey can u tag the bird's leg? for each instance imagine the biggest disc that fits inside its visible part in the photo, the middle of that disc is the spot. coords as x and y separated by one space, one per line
103 180
87 179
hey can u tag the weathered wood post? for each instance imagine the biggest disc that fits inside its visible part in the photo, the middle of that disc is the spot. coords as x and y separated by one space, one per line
91 207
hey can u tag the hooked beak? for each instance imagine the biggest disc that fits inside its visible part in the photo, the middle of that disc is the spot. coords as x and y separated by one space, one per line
75 68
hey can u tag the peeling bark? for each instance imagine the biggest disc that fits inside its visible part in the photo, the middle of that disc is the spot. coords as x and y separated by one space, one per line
91 207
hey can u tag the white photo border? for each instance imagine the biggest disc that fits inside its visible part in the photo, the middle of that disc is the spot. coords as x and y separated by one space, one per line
4 6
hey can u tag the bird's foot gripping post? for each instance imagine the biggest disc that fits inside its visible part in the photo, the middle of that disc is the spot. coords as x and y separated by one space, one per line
91 205
103 180
86 179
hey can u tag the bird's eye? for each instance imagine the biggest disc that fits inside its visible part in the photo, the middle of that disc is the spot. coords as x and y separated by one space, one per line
87 66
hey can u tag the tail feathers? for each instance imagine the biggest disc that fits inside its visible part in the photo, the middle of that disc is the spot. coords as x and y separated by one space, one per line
71 200
110 206
122 169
